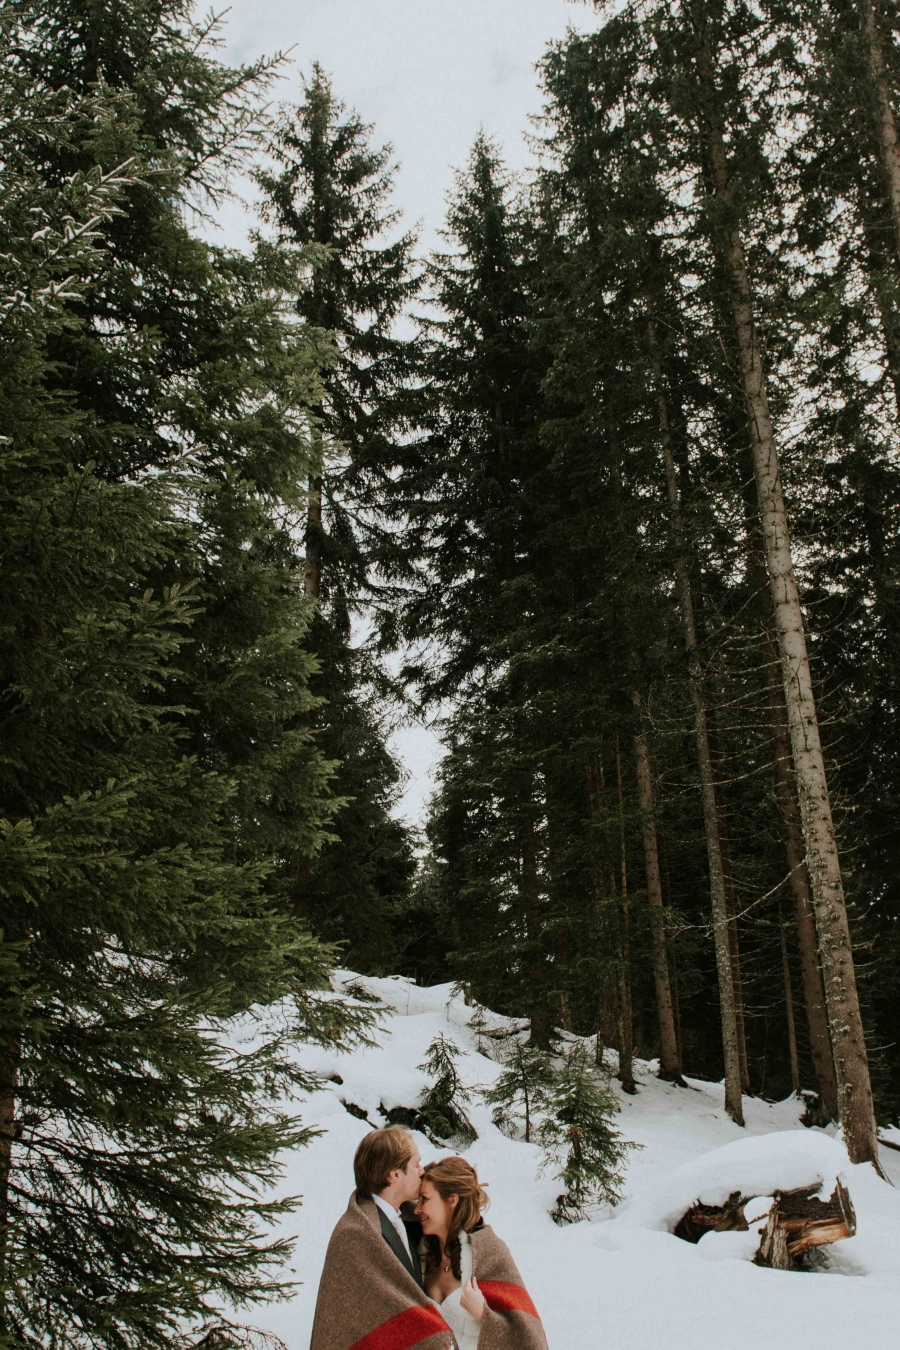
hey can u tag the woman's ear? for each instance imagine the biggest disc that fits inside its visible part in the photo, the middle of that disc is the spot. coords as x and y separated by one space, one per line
453 1201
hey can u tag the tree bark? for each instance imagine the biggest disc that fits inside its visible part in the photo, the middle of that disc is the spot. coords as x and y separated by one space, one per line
730 898
789 1009
626 1016
798 881
562 965
731 1055
9 1086
531 894
854 1087
313 578
669 1058
885 123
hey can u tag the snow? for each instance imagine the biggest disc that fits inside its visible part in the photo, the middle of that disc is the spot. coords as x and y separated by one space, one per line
757 1166
622 1278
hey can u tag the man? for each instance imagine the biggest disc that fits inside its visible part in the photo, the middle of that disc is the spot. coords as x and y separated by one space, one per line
391 1188
371 1295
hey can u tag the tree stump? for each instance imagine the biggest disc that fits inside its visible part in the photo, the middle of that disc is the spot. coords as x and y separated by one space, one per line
800 1220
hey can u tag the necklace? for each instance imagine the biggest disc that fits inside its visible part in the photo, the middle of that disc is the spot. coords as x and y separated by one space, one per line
446 1264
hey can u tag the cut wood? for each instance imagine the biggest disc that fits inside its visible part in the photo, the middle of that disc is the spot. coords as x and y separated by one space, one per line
797 1221
800 1220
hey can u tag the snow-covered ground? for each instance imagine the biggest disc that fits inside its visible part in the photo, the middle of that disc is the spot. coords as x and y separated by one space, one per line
622 1279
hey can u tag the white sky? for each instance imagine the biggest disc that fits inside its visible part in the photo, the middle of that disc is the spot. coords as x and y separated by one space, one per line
429 74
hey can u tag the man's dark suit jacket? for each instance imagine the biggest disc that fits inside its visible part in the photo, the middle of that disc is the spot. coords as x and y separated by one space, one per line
392 1238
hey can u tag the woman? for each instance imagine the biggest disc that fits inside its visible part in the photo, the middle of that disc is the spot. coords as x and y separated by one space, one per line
457 1250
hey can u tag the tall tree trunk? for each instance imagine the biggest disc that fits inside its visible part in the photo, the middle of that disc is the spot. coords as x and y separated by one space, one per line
669 1058
313 578
562 965
730 896
626 1017
10 1057
798 881
531 894
789 1009
885 123
730 1050
854 1086
614 1013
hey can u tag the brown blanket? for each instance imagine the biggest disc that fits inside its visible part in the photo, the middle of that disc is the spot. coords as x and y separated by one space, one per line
511 1320
368 1301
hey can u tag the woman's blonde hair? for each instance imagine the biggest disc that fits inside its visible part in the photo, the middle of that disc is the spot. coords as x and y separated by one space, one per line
455 1176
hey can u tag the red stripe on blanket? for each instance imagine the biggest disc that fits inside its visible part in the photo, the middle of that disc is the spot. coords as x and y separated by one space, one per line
503 1297
405 1330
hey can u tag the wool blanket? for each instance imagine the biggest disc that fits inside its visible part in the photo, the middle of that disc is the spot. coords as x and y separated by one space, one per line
369 1301
511 1320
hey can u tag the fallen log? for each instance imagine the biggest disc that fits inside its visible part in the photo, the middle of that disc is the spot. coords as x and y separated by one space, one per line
700 1219
797 1221
800 1220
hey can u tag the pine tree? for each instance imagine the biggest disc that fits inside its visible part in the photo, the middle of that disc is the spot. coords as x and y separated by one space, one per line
140 859
845 216
443 1106
700 52
522 1090
577 1132
328 192
463 492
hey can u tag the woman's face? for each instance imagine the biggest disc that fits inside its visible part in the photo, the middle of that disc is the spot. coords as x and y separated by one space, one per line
432 1211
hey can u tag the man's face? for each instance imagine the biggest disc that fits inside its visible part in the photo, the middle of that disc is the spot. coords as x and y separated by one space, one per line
408 1179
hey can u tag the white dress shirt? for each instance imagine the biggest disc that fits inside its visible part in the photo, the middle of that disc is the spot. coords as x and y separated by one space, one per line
396 1222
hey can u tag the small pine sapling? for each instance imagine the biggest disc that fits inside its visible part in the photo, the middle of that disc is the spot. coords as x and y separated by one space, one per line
521 1090
578 1132
478 1024
443 1106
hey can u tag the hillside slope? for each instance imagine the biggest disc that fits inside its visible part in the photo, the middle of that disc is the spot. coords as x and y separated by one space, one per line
620 1279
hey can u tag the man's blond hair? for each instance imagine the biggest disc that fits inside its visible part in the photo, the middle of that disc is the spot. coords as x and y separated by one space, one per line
377 1156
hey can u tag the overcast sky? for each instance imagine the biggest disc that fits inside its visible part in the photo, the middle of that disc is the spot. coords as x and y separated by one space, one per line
428 74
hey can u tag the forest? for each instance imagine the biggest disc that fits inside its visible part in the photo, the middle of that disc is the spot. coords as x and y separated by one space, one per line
607 490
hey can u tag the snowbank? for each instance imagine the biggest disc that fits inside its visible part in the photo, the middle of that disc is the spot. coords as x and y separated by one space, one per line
623 1279
758 1166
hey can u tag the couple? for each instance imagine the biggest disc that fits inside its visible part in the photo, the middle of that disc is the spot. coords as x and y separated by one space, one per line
440 1280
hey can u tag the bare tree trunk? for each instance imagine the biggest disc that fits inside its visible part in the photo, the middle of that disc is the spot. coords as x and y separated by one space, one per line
730 1050
885 122
789 1009
615 1002
669 1058
798 881
730 897
9 1086
562 963
626 1018
855 1091
531 894
313 578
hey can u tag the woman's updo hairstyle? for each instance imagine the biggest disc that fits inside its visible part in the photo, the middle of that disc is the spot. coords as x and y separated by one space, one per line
455 1176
